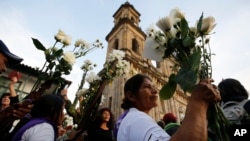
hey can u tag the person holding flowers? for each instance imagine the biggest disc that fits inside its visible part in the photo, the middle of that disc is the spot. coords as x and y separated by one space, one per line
188 50
141 96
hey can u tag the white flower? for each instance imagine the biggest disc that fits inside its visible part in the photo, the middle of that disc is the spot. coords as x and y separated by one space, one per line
87 66
122 67
208 25
152 50
151 31
82 43
60 35
87 62
164 24
78 42
91 77
177 14
81 92
69 57
68 120
63 38
98 44
66 40
116 55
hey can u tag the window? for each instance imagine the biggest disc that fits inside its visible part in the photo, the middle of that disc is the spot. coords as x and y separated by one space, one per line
110 102
116 44
135 46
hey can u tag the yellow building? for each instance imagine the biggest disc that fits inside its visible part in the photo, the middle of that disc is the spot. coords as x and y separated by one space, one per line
127 35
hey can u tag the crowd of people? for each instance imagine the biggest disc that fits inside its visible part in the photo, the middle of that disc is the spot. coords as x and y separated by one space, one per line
42 120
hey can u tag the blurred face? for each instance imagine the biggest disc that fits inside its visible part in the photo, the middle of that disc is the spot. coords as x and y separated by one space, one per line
147 96
106 116
3 61
6 100
61 117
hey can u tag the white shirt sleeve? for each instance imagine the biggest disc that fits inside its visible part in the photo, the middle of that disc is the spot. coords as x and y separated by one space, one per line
39 132
138 126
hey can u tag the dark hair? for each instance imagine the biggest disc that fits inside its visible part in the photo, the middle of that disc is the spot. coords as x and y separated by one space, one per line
133 85
98 119
232 89
4 94
48 105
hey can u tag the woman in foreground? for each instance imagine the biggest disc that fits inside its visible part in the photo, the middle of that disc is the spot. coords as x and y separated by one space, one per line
141 96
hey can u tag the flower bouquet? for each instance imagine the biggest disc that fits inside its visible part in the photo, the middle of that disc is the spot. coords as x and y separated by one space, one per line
80 97
59 60
58 63
188 47
114 66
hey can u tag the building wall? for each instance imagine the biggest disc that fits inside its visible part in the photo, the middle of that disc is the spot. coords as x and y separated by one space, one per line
122 36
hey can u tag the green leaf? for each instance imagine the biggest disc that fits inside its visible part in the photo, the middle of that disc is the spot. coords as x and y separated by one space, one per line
167 91
58 53
184 28
199 25
38 44
47 55
57 74
188 42
170 48
187 79
51 65
194 60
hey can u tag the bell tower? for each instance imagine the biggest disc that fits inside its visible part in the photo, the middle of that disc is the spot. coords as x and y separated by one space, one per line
126 35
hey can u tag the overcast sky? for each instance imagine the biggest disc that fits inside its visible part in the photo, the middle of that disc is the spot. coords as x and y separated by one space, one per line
90 20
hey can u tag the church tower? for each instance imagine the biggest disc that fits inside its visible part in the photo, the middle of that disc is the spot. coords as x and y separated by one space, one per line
126 35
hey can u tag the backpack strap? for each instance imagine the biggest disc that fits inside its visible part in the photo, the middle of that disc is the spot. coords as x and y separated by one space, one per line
234 110
117 124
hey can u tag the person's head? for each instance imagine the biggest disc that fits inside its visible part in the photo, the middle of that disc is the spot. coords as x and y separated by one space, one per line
169 117
232 89
7 57
105 115
49 106
140 93
5 99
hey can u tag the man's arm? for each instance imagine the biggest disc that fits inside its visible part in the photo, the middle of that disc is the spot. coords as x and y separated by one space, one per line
13 94
12 87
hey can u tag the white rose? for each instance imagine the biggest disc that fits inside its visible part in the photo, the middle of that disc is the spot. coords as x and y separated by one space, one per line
164 24
60 35
92 76
66 40
177 14
152 50
69 57
79 42
208 25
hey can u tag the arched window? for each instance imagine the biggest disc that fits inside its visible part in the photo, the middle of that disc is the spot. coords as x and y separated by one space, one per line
116 44
132 19
135 46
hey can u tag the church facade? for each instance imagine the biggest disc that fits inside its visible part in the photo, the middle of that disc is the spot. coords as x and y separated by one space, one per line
126 35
